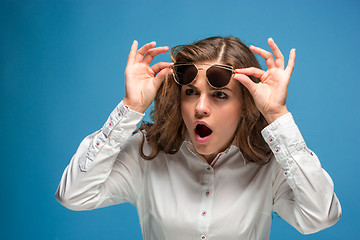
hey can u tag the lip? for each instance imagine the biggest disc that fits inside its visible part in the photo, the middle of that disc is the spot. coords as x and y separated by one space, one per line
197 137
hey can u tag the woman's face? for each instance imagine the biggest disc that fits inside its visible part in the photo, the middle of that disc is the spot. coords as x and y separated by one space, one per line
211 115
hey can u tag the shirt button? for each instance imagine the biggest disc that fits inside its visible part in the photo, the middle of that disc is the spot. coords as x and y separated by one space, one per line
203 236
203 213
209 168
207 193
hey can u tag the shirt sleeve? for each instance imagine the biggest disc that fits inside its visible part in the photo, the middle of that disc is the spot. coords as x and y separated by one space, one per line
102 172
303 192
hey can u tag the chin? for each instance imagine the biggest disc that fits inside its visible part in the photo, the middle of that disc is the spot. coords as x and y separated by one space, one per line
205 150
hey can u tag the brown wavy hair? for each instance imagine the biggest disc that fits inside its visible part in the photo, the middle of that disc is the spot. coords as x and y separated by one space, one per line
167 132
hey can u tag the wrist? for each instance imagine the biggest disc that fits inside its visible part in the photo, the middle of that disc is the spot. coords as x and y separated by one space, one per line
271 117
135 107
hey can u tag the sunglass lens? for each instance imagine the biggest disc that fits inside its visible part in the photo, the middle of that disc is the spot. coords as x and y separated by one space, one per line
185 74
218 76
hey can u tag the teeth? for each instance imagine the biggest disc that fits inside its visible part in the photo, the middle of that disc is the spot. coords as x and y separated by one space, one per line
203 130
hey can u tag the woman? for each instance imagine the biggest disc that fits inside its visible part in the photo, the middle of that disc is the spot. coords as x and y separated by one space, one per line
222 154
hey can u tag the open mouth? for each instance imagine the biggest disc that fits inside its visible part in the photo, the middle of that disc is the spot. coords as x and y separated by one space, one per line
202 130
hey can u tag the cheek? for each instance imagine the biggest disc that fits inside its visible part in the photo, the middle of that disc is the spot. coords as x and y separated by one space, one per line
229 118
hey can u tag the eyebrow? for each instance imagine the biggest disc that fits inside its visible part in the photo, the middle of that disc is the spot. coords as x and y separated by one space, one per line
191 86
211 88
223 88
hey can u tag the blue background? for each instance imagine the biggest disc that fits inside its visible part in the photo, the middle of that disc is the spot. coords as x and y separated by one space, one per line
62 72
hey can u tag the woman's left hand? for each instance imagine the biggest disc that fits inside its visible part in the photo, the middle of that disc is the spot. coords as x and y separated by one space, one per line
269 94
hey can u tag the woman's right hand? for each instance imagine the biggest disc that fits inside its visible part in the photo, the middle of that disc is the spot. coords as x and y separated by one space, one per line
142 81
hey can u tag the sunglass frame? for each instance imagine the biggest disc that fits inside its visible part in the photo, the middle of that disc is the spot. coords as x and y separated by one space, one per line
226 67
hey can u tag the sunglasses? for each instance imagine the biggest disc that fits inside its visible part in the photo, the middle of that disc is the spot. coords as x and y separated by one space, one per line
217 75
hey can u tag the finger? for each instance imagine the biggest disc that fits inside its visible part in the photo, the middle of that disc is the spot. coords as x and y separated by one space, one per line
247 82
269 59
160 66
291 63
160 77
132 54
149 56
143 50
253 71
279 58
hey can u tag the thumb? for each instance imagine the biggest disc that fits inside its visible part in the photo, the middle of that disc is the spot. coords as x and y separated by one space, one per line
247 82
160 77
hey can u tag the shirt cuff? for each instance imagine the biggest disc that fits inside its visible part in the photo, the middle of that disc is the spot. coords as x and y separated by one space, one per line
283 134
119 126
285 141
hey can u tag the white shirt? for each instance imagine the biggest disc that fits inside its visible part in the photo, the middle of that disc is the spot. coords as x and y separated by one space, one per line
181 196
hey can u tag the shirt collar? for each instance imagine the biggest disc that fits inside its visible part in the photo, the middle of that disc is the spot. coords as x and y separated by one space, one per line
189 145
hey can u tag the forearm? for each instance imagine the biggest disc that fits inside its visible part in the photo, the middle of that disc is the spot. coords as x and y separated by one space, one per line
312 205
83 184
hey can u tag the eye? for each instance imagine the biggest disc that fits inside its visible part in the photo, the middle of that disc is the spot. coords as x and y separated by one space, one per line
190 91
220 95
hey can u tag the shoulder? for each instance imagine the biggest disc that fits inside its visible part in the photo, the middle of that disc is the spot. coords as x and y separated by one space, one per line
136 144
132 144
271 169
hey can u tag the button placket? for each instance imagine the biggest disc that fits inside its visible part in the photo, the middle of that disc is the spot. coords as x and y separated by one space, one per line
207 187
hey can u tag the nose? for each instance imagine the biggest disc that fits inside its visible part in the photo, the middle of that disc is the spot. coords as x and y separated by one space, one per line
202 108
